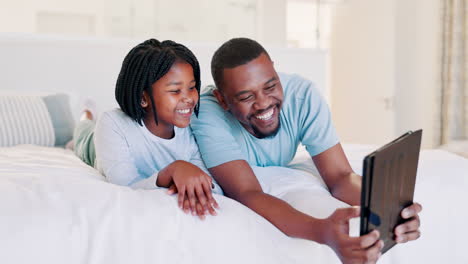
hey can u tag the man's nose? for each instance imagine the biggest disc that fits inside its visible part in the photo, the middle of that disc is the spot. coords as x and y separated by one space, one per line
262 102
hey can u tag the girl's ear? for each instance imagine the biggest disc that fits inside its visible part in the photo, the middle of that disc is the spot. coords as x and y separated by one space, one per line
145 100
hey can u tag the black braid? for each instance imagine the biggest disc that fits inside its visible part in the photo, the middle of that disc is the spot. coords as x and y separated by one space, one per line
144 65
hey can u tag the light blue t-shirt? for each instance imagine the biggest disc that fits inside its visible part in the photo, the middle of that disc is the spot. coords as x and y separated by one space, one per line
304 118
129 154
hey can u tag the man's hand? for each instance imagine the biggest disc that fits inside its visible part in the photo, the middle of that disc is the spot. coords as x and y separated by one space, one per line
409 230
335 233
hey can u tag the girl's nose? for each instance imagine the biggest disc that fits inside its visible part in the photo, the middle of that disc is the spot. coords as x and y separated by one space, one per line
187 99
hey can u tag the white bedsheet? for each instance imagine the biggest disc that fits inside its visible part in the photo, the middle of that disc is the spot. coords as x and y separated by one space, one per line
442 189
55 209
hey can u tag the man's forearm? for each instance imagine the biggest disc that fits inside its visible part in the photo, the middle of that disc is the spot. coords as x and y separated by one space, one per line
282 215
348 189
239 183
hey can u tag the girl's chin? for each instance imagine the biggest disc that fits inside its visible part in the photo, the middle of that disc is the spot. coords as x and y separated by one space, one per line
182 125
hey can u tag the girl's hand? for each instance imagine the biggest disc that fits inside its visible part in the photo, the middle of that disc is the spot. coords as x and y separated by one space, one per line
193 187
186 205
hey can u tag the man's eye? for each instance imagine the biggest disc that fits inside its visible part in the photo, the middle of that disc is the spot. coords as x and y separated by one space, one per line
175 91
270 87
246 98
192 88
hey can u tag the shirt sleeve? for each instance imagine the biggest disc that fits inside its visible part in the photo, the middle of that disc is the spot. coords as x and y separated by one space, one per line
214 134
145 183
317 132
114 158
196 159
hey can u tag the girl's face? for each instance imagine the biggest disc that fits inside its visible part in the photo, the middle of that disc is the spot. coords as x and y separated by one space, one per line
175 97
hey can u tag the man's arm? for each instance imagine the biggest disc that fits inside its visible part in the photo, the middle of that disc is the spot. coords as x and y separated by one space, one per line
240 183
337 173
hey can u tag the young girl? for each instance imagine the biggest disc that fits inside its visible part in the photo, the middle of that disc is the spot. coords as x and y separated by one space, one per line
147 142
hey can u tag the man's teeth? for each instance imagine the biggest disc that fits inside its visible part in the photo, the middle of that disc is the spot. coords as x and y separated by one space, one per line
183 111
266 115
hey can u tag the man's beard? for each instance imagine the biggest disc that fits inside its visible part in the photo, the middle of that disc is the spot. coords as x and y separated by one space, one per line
261 135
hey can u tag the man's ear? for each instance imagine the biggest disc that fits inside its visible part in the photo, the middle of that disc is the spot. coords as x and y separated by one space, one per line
145 100
220 99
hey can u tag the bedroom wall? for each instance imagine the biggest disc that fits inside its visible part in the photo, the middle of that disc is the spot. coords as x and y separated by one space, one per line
182 20
362 69
383 60
383 69
417 67
77 17
88 67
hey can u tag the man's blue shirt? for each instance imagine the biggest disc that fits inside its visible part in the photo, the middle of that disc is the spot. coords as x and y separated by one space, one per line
304 118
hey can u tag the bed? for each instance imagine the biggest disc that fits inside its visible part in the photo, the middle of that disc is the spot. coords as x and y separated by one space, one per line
56 209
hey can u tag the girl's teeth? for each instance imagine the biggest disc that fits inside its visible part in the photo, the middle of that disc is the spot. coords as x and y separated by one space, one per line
185 111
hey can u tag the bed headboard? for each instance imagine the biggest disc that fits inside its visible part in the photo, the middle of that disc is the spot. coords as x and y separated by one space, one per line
88 67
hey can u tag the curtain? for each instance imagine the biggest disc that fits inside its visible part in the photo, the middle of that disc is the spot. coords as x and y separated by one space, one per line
454 73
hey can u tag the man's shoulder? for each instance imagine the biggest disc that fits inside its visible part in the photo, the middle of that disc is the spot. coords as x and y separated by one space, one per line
207 98
297 88
207 92
209 105
212 116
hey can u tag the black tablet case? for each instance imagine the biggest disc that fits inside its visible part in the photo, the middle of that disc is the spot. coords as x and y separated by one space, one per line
389 176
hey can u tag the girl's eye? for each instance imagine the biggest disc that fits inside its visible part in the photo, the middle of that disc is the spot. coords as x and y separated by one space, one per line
174 91
192 88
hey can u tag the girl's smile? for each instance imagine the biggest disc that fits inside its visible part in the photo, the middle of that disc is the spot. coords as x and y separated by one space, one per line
175 97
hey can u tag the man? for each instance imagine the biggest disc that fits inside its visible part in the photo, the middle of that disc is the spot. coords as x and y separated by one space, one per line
250 120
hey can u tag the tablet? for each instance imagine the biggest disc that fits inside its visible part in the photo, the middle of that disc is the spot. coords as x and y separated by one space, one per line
388 179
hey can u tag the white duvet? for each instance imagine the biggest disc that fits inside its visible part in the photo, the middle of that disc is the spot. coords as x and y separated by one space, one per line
55 209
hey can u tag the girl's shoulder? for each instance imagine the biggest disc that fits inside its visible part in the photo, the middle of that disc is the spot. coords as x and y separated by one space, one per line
116 119
115 115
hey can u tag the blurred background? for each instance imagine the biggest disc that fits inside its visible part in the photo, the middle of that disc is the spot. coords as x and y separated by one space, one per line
391 65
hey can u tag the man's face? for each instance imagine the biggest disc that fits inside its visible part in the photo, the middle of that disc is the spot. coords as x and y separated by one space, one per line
253 94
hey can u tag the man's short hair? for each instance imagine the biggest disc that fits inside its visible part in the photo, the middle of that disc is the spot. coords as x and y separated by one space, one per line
233 53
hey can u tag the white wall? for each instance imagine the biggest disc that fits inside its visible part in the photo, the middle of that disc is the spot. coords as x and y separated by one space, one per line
362 69
181 20
22 15
384 75
271 22
417 67
88 67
